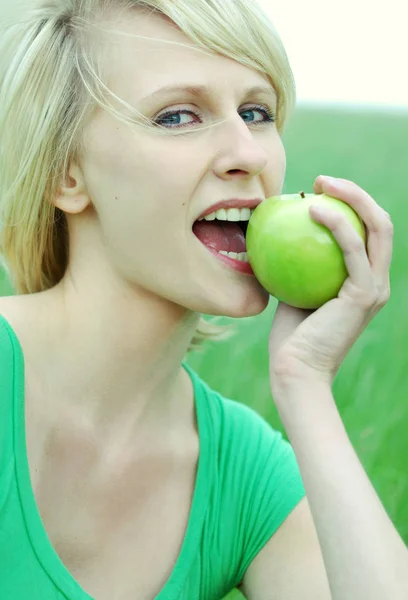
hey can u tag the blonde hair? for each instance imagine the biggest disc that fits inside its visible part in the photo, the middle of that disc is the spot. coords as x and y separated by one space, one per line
52 78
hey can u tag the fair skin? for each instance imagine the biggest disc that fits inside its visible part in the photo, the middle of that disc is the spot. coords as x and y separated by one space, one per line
137 273
111 330
107 402
339 542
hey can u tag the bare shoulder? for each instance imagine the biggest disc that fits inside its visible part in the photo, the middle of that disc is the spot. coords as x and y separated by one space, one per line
10 308
24 314
27 315
8 301
14 308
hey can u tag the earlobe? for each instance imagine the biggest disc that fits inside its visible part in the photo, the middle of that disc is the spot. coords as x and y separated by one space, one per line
72 195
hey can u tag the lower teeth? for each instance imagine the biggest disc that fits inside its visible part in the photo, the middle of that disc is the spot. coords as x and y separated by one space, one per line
242 256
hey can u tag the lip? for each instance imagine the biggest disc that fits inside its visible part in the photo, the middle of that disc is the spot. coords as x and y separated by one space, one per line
232 203
238 265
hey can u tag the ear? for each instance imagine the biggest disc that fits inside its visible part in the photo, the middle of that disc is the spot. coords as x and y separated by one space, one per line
72 196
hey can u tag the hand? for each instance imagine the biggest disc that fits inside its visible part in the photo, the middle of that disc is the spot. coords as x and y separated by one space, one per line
307 344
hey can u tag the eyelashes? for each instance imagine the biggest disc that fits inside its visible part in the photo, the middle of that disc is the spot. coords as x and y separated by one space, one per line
269 115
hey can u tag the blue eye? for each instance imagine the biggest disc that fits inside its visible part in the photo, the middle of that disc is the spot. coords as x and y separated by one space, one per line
172 115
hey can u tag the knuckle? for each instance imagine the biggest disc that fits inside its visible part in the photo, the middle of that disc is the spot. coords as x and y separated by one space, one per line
368 299
340 221
356 245
388 224
384 295
369 302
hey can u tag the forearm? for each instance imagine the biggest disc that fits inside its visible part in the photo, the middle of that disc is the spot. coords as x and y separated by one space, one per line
364 555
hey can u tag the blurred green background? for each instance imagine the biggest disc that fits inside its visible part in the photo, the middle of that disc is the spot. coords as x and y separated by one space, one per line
368 147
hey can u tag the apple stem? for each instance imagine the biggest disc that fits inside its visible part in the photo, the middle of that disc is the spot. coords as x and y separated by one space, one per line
302 194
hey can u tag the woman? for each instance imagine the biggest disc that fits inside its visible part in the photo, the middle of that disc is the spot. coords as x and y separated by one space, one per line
123 475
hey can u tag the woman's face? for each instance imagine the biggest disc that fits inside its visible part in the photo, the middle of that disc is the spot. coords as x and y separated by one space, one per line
148 190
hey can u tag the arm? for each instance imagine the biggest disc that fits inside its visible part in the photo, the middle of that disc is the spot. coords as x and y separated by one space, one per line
290 566
362 551
364 557
338 543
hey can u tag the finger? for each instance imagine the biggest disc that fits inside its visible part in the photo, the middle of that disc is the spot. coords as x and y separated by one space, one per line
355 256
377 220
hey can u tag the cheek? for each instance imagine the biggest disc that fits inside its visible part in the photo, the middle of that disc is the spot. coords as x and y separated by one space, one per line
135 165
276 170
138 210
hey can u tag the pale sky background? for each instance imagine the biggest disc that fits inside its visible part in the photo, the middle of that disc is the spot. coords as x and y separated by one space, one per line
353 51
340 51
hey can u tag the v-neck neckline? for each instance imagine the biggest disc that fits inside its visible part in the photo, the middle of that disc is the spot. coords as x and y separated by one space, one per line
39 539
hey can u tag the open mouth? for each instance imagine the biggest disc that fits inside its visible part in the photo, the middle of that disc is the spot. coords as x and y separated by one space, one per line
222 235
229 226
243 225
226 240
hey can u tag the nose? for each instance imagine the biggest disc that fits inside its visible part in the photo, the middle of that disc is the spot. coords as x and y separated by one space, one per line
241 151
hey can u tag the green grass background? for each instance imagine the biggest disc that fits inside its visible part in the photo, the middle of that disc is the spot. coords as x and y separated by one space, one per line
369 147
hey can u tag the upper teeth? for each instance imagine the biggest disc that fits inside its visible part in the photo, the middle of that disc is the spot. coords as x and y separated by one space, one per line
230 214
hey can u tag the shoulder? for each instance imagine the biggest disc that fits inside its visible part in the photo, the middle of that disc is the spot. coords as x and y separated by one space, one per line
244 438
228 411
10 311
263 452
13 308
259 482
25 315
13 327
248 426
13 320
8 303
22 328
9 361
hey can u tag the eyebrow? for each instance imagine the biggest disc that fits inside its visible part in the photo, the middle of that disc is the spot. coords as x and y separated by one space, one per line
203 90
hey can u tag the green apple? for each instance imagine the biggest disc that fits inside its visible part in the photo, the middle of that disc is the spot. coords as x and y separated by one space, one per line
296 259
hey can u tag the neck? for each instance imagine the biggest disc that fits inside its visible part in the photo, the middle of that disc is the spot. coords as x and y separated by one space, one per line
114 360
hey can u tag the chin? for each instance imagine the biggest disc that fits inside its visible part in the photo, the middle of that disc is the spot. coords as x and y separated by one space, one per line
240 304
